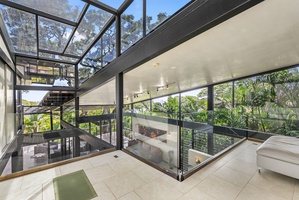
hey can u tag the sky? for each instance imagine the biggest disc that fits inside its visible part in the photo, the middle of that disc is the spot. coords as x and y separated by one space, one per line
34 95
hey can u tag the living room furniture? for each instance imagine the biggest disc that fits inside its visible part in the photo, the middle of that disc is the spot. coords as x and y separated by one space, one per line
280 154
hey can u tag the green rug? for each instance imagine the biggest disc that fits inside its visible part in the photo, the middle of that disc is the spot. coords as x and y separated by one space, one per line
75 186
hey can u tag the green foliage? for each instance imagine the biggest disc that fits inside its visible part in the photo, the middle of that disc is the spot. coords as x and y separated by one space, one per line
169 108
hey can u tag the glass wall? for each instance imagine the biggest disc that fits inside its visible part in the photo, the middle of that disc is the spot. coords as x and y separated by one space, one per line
69 112
223 104
153 140
269 103
99 121
194 105
166 106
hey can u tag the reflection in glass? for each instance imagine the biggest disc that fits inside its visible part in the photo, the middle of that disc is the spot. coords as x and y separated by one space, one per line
85 72
62 8
53 35
91 25
46 72
131 25
158 11
152 140
21 29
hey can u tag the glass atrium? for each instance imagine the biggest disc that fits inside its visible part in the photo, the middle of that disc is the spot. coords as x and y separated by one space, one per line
174 85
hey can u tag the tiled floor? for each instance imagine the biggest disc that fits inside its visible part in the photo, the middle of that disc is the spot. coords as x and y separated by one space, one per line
233 176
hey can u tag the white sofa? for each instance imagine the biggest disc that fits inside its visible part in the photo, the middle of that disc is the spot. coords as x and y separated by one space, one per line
280 154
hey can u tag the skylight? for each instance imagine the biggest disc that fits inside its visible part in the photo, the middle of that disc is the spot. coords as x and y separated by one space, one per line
66 9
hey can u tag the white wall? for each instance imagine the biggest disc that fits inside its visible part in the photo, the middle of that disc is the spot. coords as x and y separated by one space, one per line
3 47
7 116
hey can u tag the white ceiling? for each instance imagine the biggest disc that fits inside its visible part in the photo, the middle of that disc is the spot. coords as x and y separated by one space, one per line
263 38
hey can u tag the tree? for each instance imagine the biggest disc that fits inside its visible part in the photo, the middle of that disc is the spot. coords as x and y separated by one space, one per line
170 108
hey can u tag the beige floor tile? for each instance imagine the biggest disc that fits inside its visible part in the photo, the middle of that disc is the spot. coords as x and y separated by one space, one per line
205 172
72 167
276 183
196 194
296 191
218 188
102 159
100 173
247 157
32 193
10 186
158 190
242 166
233 176
125 164
103 192
124 183
130 196
120 154
48 191
219 162
251 192
107 158
252 148
147 173
183 186
39 178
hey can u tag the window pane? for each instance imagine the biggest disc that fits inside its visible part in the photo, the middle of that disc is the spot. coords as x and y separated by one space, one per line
58 57
166 106
158 11
85 72
113 3
63 9
91 25
103 52
21 29
223 104
194 105
53 35
131 25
